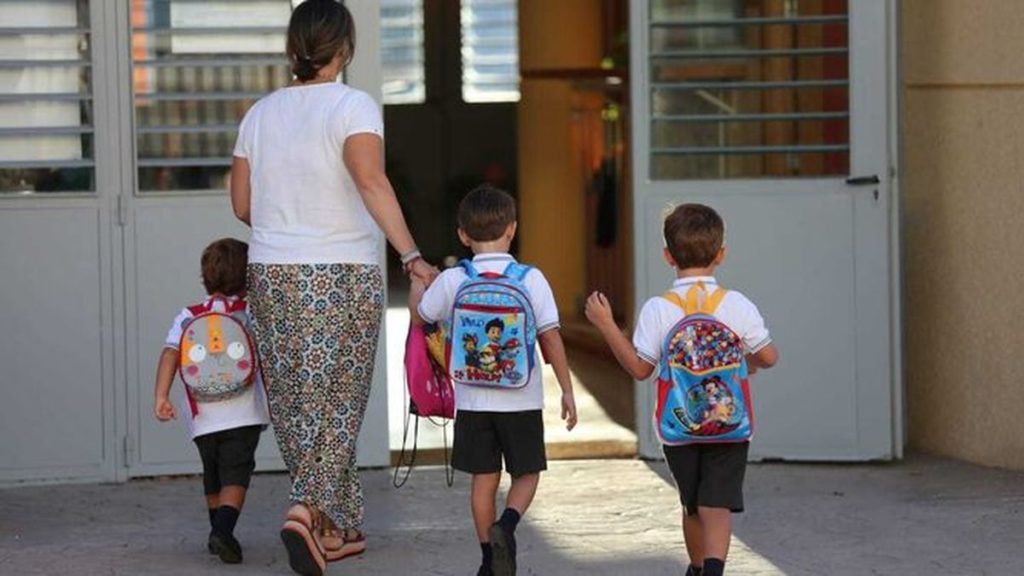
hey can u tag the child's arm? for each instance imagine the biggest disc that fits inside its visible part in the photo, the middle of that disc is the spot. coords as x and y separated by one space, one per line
599 312
553 349
416 289
764 358
165 369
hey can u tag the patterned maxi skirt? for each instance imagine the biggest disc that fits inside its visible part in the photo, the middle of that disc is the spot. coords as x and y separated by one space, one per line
316 327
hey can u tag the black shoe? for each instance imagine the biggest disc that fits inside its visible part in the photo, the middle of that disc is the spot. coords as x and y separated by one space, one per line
210 546
226 547
484 571
503 542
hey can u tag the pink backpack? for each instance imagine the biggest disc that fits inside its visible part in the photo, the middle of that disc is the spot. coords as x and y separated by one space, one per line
430 389
430 393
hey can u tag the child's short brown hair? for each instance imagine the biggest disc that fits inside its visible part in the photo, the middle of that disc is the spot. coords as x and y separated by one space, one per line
694 235
486 212
224 265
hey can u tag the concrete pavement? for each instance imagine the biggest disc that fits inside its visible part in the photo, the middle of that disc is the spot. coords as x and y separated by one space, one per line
924 516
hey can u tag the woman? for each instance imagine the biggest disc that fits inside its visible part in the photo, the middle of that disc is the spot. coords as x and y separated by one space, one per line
308 178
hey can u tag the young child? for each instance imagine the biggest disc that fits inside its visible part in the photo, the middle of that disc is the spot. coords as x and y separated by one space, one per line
709 476
493 423
227 431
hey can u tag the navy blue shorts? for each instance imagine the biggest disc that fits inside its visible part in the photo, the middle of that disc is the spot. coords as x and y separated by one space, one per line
483 439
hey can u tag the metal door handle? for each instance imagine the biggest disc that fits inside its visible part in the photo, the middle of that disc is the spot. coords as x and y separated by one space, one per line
871 180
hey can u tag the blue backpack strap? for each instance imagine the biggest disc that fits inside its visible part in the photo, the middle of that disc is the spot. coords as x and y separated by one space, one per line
517 271
471 270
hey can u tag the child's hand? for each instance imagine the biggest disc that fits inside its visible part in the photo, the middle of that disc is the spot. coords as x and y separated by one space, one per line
420 270
599 310
569 410
164 410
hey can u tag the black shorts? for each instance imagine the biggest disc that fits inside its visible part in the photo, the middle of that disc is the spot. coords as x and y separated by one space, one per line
709 475
229 457
483 438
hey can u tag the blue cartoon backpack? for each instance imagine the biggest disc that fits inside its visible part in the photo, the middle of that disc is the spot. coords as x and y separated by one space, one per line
703 391
493 329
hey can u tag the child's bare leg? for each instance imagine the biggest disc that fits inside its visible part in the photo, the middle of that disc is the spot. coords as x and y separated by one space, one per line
482 492
693 534
717 527
522 491
233 496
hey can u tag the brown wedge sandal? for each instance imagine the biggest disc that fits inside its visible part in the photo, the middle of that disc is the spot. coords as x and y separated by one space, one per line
306 556
341 544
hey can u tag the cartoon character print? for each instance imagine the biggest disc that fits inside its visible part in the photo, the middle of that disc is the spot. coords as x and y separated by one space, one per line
469 346
710 410
216 361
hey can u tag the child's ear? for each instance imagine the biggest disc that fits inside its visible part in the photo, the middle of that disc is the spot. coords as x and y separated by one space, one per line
668 258
464 238
510 232
722 253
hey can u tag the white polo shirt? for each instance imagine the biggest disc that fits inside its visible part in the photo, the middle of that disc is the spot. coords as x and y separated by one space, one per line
305 208
437 306
246 409
658 316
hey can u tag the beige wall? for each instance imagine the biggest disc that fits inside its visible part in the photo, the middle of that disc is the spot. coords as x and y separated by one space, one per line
963 227
554 35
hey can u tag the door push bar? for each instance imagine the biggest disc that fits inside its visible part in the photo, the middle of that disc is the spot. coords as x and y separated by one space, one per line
871 180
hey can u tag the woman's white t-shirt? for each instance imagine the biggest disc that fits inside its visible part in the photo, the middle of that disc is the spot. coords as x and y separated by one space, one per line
305 207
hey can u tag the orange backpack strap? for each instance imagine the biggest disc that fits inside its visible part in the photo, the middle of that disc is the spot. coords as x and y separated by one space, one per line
697 300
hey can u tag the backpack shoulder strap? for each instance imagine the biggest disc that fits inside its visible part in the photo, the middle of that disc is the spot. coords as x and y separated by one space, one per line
197 309
471 270
697 300
517 271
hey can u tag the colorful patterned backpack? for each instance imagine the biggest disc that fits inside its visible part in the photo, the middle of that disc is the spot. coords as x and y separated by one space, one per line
703 392
492 330
217 356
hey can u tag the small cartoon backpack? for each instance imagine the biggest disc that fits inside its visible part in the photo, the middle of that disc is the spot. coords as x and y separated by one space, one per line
217 356
492 330
703 392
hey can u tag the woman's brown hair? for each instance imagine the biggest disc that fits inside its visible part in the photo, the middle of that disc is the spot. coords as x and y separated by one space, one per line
318 31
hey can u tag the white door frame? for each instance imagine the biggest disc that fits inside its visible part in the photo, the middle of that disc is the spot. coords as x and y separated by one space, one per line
878 60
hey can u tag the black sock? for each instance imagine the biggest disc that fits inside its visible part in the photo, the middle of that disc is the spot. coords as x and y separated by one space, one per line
510 519
226 519
488 553
714 567
694 571
213 514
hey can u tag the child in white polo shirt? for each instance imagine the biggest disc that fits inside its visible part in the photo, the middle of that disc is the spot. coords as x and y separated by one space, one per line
709 458
493 423
226 432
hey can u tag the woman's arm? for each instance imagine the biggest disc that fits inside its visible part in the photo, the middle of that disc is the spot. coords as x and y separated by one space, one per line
240 191
364 157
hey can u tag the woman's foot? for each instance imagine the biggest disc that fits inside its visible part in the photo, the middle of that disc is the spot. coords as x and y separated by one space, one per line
299 534
340 544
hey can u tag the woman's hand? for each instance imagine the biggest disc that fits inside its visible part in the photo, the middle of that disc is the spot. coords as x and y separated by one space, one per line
420 271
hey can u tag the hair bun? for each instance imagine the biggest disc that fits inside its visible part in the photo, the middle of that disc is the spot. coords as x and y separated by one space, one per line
304 69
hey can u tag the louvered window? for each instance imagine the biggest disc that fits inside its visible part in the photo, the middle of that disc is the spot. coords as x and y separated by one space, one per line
198 66
490 51
401 45
748 88
46 108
